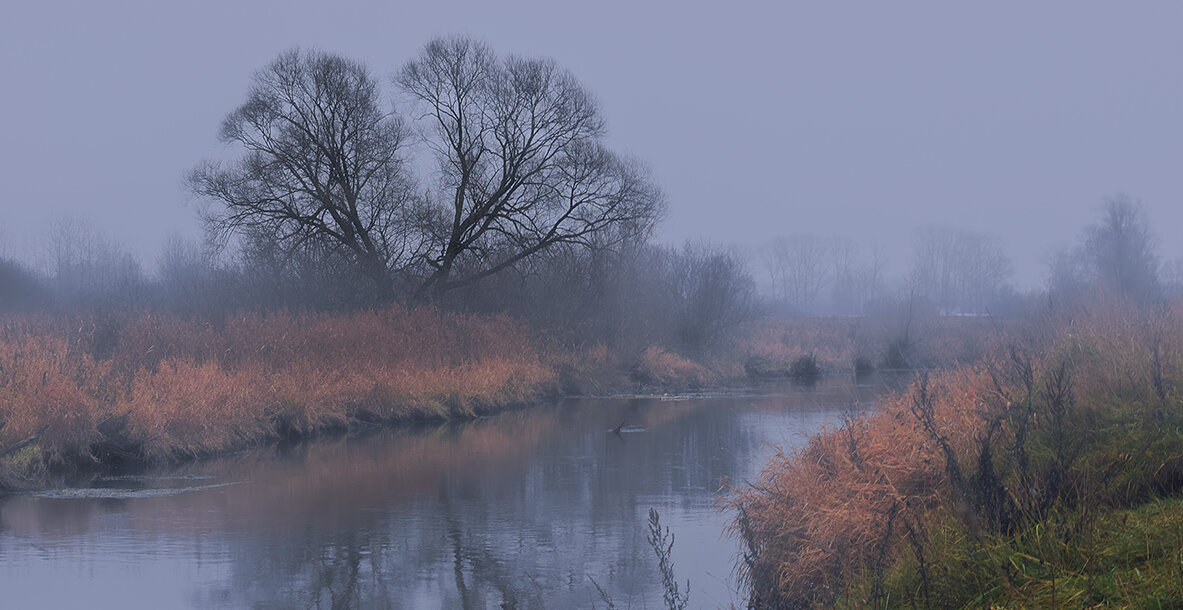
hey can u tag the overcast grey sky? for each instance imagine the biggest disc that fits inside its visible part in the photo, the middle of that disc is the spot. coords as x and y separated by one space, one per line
758 119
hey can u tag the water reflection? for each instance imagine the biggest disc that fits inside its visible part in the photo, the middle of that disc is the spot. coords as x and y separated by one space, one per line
519 510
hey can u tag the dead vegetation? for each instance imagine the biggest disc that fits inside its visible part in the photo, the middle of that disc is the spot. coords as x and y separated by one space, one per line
157 387
986 484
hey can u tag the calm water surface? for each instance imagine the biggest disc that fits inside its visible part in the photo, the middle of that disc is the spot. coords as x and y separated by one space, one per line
524 508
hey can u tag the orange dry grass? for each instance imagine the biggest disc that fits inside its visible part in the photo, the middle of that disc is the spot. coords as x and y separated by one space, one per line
821 512
47 382
189 388
853 499
189 408
832 341
662 368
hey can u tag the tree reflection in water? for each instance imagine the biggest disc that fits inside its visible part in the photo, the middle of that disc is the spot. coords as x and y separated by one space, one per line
517 510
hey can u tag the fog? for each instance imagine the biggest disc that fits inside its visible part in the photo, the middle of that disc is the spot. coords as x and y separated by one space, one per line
756 120
263 231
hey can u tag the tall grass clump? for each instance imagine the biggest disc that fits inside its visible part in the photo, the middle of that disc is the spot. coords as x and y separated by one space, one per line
147 387
998 483
657 367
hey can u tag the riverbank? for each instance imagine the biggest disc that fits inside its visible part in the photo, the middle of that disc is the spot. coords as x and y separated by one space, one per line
1049 474
88 392
536 502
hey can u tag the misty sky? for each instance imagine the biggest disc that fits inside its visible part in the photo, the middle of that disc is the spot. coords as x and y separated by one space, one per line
758 119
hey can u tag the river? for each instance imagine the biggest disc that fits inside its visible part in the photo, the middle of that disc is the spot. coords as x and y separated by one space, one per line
528 508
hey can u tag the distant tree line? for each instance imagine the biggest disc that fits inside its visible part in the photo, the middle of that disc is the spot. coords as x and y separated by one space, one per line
953 271
630 295
960 272
808 274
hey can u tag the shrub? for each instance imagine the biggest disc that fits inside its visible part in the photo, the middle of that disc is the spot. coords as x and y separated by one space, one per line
863 366
805 369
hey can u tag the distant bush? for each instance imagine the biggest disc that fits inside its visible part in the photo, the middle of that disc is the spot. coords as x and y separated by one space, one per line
863 366
805 369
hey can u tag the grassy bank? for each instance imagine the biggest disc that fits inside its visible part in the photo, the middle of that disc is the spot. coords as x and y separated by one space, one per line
79 392
96 390
89 391
1045 475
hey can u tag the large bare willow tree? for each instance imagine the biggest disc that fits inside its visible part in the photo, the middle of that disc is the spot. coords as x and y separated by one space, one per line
519 145
522 161
323 167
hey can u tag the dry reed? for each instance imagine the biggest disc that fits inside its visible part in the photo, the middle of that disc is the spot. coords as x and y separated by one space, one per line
158 387
1076 416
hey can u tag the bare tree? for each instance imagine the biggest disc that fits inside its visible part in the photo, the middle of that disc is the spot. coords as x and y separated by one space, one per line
797 265
934 264
844 271
91 272
522 163
323 163
712 293
872 280
324 177
856 279
184 273
958 270
1115 255
1119 250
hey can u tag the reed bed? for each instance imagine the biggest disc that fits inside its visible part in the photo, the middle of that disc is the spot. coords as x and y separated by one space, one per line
149 387
991 484
771 346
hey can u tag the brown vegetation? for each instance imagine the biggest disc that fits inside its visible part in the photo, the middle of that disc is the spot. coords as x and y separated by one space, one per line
854 343
983 484
152 387
90 390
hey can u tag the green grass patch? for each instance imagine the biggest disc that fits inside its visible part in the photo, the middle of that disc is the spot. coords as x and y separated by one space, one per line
1135 561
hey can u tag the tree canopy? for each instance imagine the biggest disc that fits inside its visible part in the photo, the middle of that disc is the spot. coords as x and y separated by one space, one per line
1116 255
518 144
1119 250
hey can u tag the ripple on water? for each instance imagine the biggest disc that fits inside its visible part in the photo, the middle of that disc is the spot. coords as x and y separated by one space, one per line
122 494
140 477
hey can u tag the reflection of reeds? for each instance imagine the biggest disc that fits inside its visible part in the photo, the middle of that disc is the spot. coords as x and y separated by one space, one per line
984 483
190 388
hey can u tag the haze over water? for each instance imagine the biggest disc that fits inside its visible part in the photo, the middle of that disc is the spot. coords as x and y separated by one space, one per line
528 506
